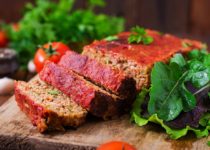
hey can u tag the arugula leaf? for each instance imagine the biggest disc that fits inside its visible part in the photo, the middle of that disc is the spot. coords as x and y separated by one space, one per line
168 96
197 54
188 99
179 59
173 133
139 34
198 74
206 60
199 68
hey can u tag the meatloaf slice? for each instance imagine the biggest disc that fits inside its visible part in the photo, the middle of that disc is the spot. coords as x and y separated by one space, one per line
47 107
103 75
136 60
91 97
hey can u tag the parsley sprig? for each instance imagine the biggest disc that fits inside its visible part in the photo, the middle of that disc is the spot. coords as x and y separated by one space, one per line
139 34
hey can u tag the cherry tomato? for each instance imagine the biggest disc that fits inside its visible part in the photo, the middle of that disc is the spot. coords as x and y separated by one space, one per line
116 145
50 51
3 39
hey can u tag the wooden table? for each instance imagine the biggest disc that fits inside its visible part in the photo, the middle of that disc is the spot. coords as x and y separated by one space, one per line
4 99
17 133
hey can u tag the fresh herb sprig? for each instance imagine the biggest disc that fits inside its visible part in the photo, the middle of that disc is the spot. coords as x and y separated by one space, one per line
139 34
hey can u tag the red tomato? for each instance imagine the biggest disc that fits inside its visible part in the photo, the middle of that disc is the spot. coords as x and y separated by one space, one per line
50 51
3 39
116 145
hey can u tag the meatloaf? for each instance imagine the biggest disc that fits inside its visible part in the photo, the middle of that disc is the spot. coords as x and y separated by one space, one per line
136 60
91 97
47 107
110 79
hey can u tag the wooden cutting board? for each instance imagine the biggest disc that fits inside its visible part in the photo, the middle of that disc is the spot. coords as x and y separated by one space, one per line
16 132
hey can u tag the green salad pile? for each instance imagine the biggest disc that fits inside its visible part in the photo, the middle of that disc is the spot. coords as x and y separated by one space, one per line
171 102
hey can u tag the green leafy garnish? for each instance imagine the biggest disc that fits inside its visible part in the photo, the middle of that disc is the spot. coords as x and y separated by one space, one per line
199 68
205 120
168 96
139 34
169 80
197 54
179 59
111 38
49 21
199 74
53 92
173 133
206 60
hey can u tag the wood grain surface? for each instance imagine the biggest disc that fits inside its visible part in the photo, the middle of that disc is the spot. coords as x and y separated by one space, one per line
4 99
18 133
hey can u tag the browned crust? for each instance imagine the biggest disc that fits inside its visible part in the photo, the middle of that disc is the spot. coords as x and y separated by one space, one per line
136 60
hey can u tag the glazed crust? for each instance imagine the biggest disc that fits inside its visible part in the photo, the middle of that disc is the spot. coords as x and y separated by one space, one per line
136 60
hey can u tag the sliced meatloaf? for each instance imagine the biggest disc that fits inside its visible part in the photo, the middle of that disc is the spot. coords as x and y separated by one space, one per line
91 97
47 107
136 60
103 75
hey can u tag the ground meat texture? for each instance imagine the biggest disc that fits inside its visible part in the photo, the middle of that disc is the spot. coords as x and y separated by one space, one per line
47 107
103 75
136 60
91 97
